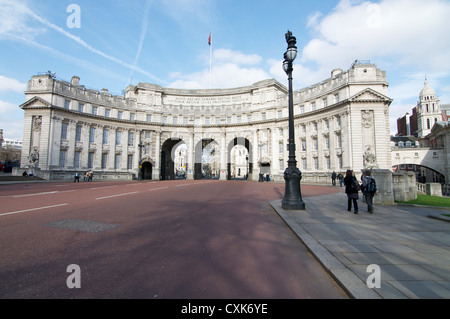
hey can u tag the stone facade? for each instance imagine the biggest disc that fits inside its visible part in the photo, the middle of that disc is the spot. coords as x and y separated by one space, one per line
341 123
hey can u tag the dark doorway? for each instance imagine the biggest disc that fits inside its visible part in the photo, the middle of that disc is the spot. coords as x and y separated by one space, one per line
147 171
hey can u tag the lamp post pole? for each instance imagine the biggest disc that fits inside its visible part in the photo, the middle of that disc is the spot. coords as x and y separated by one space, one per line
292 197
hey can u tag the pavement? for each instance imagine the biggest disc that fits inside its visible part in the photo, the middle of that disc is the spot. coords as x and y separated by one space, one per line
406 246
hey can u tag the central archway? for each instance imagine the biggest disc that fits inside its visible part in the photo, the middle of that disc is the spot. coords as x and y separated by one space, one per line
245 160
207 163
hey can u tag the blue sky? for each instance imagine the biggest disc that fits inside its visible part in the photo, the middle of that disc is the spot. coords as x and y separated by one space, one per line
165 42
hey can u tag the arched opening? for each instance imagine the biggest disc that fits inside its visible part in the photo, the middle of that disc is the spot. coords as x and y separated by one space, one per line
207 159
240 159
424 174
168 158
147 171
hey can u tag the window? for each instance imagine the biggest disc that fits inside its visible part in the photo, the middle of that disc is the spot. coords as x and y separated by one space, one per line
339 141
281 164
249 118
338 121
315 127
130 162
92 135
207 121
325 102
327 162
104 160
132 116
94 110
228 119
120 115
76 160
105 136
78 133
304 163
149 118
67 104
313 106
316 163
80 107
107 113
428 123
280 148
64 131
185 120
147 134
118 137
303 145
164 119
302 109
239 119
336 98
315 144
340 161
62 158
175 120
91 160
263 116
327 142
280 114
327 124
130 138
117 161
217 120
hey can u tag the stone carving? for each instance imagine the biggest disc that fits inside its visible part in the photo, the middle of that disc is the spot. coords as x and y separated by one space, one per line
370 159
367 119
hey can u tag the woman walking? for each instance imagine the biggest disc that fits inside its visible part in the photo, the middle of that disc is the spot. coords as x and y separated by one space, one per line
351 189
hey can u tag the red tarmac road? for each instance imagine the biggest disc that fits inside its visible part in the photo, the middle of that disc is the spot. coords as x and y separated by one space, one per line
167 239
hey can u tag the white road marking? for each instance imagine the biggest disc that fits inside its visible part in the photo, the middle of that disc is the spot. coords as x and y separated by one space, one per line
32 209
105 187
116 195
155 189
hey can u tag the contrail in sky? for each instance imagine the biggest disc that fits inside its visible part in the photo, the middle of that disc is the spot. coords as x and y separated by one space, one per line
144 28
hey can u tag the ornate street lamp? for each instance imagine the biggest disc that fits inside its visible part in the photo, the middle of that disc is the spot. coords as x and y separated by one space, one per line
292 197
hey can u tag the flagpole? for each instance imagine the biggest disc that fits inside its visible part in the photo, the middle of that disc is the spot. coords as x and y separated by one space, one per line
210 60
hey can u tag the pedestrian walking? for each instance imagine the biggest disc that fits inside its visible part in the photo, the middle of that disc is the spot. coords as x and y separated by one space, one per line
341 179
77 178
90 175
333 178
351 189
369 189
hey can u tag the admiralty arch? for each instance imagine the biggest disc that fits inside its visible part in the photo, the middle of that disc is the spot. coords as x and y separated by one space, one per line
152 132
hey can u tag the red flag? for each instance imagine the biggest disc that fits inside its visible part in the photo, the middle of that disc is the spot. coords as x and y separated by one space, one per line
209 39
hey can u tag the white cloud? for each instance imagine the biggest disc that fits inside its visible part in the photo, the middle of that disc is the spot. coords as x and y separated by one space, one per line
414 31
9 84
236 57
11 120
229 70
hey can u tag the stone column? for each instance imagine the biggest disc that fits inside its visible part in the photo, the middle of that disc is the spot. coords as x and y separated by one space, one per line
223 161
190 155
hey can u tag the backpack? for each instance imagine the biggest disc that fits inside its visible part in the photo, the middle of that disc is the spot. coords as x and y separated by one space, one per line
371 186
355 187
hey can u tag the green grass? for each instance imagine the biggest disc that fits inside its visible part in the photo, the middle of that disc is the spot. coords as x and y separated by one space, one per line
430 201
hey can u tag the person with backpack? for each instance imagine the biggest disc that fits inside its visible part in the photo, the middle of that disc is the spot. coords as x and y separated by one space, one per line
369 188
351 189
